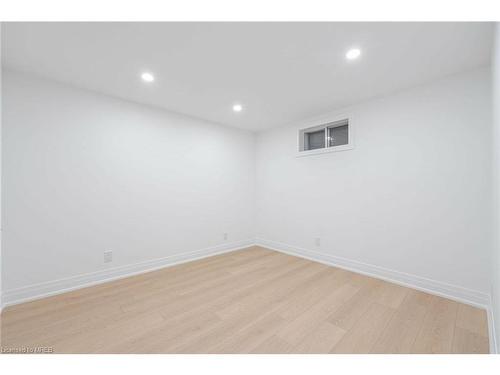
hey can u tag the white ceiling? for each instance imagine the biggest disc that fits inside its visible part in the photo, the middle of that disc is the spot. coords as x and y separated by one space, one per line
280 72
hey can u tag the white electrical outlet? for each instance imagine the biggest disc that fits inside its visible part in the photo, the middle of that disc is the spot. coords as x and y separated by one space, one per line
317 241
108 256
225 236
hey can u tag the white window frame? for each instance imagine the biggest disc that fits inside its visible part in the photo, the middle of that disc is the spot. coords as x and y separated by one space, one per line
324 123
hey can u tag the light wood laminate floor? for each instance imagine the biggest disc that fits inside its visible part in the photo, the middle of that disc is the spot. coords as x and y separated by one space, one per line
249 301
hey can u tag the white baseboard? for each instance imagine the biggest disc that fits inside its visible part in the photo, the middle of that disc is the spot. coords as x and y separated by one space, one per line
468 296
491 329
46 289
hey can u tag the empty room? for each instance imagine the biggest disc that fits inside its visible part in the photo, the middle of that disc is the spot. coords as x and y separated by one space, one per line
250 187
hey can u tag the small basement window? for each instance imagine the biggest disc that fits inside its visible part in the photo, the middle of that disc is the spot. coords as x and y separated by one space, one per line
314 139
331 136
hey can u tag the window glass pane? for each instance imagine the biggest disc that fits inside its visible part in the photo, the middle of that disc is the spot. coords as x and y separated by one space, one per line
314 140
338 136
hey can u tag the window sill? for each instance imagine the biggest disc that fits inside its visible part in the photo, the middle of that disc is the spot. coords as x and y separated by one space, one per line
324 150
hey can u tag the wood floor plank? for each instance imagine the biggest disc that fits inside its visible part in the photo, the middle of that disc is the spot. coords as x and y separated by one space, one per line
96 340
401 332
246 312
161 339
472 319
322 339
312 291
350 312
361 338
249 301
273 345
250 337
301 326
436 335
467 342
275 290
390 295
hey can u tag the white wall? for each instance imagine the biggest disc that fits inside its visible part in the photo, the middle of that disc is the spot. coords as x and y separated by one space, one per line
84 173
412 196
495 292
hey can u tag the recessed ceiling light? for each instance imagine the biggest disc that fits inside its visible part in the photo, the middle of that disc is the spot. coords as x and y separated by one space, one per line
147 77
237 108
353 54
